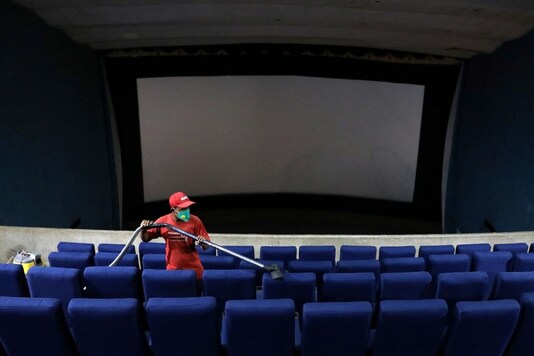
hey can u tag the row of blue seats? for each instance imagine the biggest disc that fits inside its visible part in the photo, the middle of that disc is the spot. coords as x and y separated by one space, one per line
127 282
188 326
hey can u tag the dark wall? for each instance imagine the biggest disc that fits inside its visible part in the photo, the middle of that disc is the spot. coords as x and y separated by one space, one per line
55 141
491 176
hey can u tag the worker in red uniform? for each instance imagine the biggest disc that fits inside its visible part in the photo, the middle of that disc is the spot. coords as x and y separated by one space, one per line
180 251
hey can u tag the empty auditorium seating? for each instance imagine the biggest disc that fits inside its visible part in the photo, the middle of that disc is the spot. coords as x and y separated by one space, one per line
112 282
159 283
511 285
470 249
106 258
300 287
261 327
481 327
427 250
491 263
523 262
317 267
515 247
347 287
65 246
61 283
355 252
34 326
437 264
246 251
153 261
259 271
79 260
521 343
403 285
318 253
373 266
108 326
217 262
332 328
112 247
283 253
185 326
409 327
13 281
402 264
145 248
395 251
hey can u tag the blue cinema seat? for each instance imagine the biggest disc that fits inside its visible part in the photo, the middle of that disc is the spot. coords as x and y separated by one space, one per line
335 328
61 283
246 251
79 260
348 287
260 271
159 283
395 251
65 246
514 247
260 327
146 248
211 251
282 253
403 285
437 264
318 253
300 287
113 282
106 258
355 266
523 262
357 252
31 326
113 247
317 267
511 285
154 261
409 327
470 249
481 328
225 285
108 326
185 326
491 263
217 262
522 343
13 281
427 250
402 264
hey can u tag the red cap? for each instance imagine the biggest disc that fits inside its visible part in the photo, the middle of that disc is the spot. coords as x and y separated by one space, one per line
180 200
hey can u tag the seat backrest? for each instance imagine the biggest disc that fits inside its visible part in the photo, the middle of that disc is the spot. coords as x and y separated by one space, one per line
283 253
13 281
481 327
111 247
246 251
347 287
112 282
145 248
79 260
261 327
217 262
402 264
514 247
403 285
259 270
427 250
159 283
462 286
26 323
226 285
318 253
344 266
106 258
196 333
470 249
61 283
523 262
511 285
317 267
65 246
409 327
491 263
333 328
395 251
300 287
356 252
153 261
521 343
108 326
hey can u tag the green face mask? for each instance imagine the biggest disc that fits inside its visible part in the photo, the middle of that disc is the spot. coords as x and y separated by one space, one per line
183 215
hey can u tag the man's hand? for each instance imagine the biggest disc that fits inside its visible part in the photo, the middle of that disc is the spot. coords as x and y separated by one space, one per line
200 241
146 223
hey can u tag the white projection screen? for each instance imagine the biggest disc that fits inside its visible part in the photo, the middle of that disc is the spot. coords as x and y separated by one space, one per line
217 135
